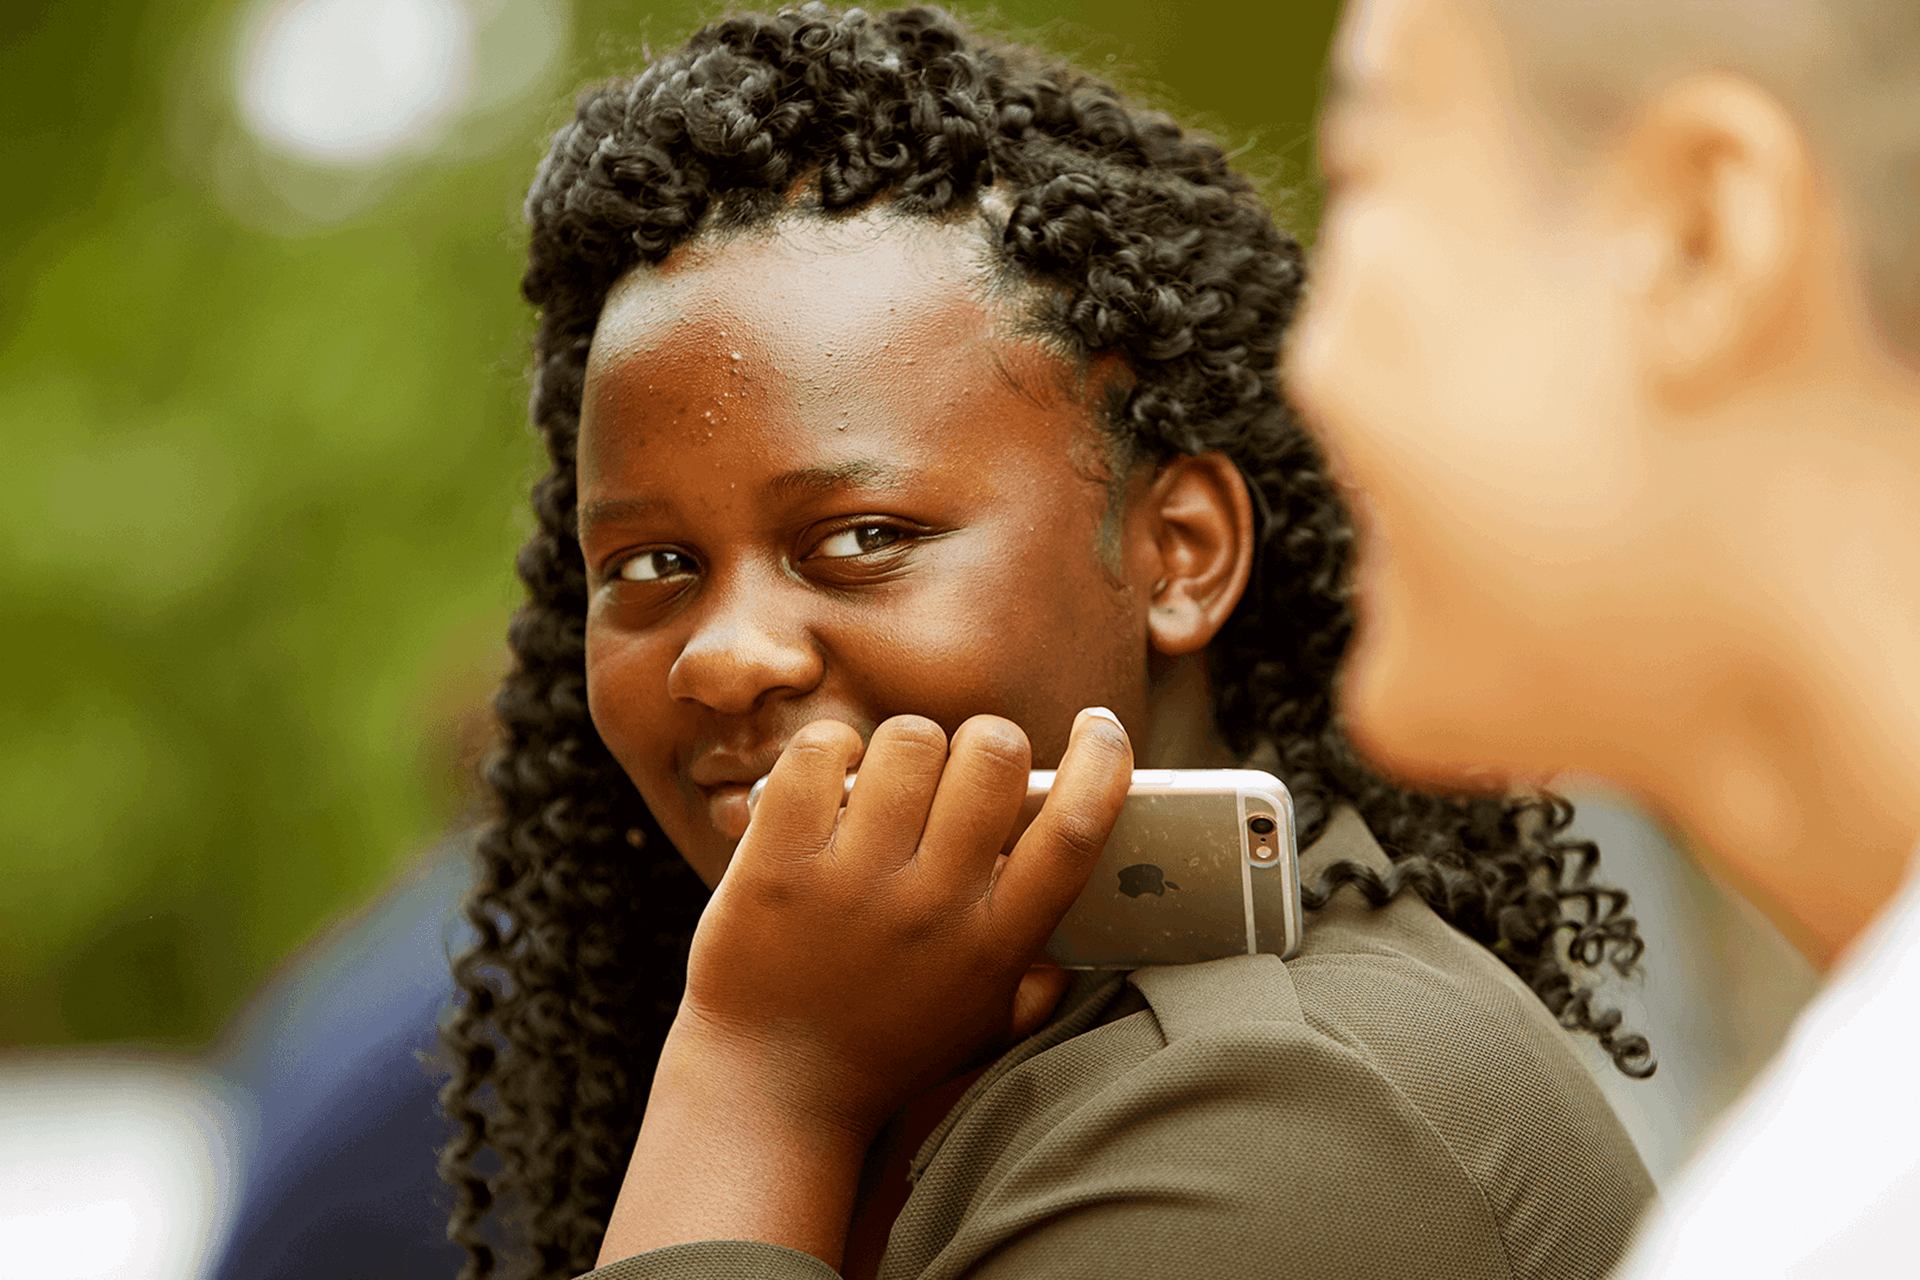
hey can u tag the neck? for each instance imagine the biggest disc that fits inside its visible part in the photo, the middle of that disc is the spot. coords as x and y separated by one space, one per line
1790 739
1180 728
1803 804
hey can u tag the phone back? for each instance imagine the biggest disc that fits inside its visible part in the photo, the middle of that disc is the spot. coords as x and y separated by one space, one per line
1185 877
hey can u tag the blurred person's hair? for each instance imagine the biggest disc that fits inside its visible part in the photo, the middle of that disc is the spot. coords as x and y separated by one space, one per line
1122 234
1845 69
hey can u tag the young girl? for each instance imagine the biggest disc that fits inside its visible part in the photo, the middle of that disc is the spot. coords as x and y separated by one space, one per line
906 395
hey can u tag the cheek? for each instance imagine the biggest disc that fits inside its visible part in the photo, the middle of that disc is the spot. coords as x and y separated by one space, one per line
1365 363
1389 329
626 684
624 677
1024 627
1456 376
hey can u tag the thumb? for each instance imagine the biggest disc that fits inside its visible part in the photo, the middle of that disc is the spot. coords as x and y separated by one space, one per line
1040 990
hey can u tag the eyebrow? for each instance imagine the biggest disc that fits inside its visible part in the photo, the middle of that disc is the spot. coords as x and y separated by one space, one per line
1350 95
1341 87
859 473
1347 80
1345 87
609 510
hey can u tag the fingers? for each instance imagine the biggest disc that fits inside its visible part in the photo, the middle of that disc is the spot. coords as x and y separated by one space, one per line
1050 865
1036 997
947 809
980 795
898 776
797 813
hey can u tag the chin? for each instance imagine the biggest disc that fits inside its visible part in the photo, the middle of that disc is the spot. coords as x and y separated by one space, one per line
1417 724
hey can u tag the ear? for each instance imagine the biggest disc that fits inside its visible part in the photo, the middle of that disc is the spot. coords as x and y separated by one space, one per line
1200 522
1720 200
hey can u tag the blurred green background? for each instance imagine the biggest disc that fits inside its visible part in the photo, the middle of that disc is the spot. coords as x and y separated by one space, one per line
265 457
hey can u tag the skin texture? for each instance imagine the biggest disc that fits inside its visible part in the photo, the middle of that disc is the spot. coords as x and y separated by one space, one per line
767 547
1641 473
838 510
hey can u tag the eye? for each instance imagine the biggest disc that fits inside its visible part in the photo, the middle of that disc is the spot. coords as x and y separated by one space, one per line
860 540
651 566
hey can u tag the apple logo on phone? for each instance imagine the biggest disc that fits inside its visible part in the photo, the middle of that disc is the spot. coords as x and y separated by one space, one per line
1144 877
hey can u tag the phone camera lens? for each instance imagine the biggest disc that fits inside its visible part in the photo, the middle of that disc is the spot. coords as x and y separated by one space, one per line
1261 826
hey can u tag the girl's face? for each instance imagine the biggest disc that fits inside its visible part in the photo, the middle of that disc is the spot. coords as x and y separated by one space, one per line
822 476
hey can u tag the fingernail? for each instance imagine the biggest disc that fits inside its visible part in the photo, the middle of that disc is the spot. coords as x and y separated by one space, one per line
1105 714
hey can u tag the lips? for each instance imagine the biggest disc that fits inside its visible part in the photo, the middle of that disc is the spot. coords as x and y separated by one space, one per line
727 809
724 773
724 778
726 768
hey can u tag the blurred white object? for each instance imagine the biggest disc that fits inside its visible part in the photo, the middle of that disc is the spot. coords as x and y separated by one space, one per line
112 1166
351 80
294 114
1817 1171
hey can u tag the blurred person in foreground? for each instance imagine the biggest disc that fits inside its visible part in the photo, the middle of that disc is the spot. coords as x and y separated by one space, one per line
1617 326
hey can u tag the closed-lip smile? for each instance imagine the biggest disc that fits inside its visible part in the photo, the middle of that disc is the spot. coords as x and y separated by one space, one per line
724 778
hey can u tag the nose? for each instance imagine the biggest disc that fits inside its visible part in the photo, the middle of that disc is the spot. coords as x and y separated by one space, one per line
748 644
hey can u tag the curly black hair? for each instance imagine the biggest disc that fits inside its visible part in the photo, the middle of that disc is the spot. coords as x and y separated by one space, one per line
1140 240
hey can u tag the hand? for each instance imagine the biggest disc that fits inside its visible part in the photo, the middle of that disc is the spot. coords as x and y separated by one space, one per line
865 954
851 959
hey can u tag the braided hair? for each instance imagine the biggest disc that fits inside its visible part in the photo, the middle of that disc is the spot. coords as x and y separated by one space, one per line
1138 240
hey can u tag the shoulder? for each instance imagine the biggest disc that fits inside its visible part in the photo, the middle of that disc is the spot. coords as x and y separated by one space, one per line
1374 1060
1422 1061
1164 1142
1474 1051
1383 1104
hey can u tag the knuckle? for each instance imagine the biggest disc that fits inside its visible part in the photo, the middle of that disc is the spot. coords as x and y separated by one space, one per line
823 738
1080 837
916 735
770 893
917 729
997 743
1001 933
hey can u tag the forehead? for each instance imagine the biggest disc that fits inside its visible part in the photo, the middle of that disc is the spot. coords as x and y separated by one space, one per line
803 279
1416 57
870 295
831 313
872 327
1426 99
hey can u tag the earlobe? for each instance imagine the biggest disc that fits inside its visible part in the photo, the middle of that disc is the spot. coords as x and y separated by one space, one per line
1201 525
1718 230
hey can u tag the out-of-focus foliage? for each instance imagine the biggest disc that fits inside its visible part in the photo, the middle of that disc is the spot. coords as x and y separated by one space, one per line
265 470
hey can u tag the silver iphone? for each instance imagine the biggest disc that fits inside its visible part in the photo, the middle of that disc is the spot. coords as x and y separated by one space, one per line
1201 865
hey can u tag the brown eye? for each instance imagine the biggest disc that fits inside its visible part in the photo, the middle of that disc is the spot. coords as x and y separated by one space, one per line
651 566
861 539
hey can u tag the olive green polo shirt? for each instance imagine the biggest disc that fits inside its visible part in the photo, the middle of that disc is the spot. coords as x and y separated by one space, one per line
1390 1104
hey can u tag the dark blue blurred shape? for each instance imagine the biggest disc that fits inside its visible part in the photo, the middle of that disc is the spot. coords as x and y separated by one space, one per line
339 1056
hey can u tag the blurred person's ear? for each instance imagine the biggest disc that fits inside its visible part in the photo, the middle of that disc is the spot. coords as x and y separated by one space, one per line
1717 238
1199 520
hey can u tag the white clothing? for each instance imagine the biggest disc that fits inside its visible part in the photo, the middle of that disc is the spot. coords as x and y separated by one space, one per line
1816 1170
